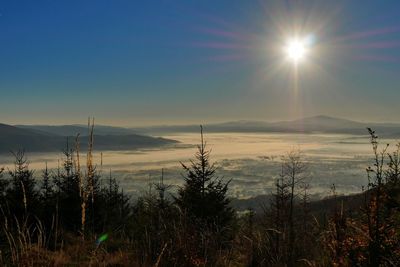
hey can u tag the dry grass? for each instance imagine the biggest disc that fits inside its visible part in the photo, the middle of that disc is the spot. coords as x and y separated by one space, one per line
27 247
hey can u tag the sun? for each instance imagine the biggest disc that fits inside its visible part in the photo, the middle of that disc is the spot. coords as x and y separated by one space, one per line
296 49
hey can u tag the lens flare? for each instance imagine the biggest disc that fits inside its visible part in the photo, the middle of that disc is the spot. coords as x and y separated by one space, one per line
101 239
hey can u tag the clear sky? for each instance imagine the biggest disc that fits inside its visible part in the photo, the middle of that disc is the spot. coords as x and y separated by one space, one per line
150 62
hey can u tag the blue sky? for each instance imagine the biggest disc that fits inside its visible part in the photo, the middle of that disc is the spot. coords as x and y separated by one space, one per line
150 62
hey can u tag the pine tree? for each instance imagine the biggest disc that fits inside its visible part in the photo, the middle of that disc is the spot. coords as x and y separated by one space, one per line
203 197
115 207
67 192
23 197
46 188
48 207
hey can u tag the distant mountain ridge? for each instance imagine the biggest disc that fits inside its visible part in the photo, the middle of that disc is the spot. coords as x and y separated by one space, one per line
72 130
321 124
53 138
37 139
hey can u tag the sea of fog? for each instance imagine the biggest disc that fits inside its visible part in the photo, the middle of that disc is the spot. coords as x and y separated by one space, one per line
250 160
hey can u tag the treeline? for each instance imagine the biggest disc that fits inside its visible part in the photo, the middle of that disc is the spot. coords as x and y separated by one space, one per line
76 217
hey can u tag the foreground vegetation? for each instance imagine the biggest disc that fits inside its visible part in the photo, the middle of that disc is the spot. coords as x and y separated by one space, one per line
75 217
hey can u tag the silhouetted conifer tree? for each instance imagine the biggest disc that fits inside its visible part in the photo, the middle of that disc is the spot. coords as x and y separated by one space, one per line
114 207
46 189
22 194
47 198
203 196
67 193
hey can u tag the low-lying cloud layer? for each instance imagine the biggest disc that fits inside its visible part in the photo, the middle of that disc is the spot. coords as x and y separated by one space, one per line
251 161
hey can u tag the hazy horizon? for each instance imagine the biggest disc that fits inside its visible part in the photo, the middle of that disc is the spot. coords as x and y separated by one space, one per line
100 122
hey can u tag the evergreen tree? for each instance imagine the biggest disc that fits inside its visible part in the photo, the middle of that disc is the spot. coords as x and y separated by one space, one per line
114 208
22 195
47 199
46 189
203 197
67 193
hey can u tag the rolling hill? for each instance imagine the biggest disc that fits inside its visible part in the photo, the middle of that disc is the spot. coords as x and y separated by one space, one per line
320 124
53 138
33 139
72 130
